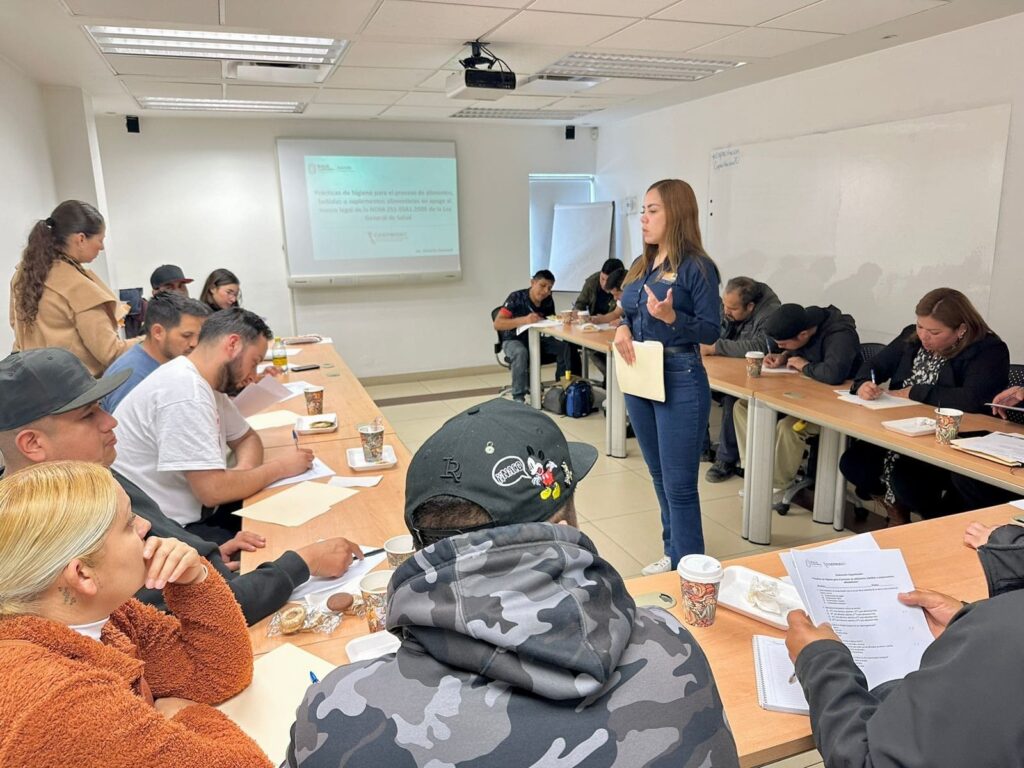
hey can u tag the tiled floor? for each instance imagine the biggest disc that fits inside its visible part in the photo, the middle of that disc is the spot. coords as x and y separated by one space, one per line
616 503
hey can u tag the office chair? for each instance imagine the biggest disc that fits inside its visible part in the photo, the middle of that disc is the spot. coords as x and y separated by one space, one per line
1016 379
136 316
504 362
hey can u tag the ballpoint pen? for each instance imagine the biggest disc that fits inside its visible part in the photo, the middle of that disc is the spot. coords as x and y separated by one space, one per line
873 377
313 678
295 438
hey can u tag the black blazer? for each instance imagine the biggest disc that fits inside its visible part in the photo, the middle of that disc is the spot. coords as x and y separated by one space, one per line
966 382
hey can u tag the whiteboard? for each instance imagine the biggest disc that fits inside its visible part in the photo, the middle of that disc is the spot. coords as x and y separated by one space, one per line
581 241
869 218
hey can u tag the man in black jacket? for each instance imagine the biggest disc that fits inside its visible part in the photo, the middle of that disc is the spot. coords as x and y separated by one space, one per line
49 410
818 342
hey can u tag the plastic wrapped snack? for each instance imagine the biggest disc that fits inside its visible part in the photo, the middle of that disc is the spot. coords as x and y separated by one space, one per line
306 616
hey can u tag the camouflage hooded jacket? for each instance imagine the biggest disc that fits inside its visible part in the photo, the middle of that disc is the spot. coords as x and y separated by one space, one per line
520 647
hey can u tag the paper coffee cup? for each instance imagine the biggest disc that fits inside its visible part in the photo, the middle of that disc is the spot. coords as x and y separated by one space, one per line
398 549
374 588
372 437
314 401
754 362
700 577
947 424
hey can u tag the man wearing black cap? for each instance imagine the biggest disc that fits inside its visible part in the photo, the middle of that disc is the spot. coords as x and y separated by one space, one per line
818 342
519 644
49 411
168 278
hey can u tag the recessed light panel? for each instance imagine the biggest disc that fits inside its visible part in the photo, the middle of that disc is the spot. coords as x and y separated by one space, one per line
219 105
523 114
637 66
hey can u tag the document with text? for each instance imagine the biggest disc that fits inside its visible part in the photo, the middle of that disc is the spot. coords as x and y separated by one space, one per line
855 592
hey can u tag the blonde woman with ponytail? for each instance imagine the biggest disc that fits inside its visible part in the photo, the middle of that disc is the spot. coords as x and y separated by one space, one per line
91 677
55 300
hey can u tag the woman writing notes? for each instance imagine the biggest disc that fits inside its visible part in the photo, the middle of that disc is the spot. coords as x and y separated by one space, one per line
55 301
93 678
670 295
949 359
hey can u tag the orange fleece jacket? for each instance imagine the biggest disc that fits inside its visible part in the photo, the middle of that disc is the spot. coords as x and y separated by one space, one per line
67 700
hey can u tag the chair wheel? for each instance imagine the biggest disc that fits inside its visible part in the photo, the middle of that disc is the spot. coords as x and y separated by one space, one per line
782 508
860 513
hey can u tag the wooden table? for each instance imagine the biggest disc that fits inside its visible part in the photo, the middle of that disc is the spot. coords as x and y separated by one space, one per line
598 341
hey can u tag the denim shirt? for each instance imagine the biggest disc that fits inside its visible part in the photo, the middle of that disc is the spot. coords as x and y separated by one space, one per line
694 298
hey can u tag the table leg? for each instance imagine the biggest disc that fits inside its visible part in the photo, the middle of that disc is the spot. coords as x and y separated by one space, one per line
615 415
534 339
759 472
829 484
585 363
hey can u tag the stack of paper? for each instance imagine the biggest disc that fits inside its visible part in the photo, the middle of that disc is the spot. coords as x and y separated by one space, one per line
263 394
1004 447
272 419
883 401
318 470
297 505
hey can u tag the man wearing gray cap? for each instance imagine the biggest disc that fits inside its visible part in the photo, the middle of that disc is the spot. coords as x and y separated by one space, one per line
49 411
519 644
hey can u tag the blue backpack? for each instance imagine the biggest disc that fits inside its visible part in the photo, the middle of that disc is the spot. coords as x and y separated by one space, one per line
579 399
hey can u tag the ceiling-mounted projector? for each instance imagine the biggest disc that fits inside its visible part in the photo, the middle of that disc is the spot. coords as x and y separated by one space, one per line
479 81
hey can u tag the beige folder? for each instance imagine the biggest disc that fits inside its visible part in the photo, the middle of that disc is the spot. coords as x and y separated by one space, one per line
646 377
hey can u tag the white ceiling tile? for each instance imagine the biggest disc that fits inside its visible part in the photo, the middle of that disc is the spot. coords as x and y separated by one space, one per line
497 3
159 11
424 99
138 86
629 86
440 21
377 78
585 103
329 18
269 93
348 111
372 53
436 82
747 13
424 113
675 36
154 66
523 102
760 42
543 28
632 8
845 17
357 96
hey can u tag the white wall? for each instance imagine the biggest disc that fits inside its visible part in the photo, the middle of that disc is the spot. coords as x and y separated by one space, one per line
203 193
26 180
974 67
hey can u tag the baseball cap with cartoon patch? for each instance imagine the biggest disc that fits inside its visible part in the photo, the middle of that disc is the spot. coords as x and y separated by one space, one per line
511 460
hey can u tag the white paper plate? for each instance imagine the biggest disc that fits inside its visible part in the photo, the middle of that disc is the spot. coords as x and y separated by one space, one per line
372 646
304 424
915 427
360 464
736 585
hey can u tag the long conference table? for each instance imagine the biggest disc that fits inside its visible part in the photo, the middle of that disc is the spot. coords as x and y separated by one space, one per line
933 550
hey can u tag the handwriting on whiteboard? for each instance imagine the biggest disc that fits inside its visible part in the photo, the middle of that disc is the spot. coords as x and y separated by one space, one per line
723 158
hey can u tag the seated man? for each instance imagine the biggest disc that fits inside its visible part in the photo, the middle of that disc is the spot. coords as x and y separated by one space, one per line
819 342
169 279
171 329
596 299
522 307
49 411
520 645
956 710
746 304
175 429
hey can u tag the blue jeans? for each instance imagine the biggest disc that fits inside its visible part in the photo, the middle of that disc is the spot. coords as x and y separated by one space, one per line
670 436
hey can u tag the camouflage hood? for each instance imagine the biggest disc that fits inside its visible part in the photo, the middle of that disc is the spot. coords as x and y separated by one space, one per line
530 605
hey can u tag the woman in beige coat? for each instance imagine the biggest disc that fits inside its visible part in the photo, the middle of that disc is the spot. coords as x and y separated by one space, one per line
55 301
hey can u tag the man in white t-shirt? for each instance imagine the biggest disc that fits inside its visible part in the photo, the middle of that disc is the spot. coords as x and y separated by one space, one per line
175 428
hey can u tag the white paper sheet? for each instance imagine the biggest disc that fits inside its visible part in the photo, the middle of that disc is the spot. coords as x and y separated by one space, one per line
539 324
883 401
847 543
297 505
1018 503
264 393
272 419
765 369
347 582
344 481
1005 445
319 469
855 591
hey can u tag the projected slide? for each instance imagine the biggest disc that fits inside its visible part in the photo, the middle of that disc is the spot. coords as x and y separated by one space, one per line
381 207
369 211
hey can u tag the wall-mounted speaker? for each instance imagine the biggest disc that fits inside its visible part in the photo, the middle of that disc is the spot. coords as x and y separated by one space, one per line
131 123
570 132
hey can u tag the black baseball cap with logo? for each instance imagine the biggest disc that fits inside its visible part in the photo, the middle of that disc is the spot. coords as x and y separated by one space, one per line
168 273
507 458
43 382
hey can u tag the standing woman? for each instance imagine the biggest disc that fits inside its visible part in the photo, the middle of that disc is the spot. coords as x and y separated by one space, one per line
670 294
221 290
55 301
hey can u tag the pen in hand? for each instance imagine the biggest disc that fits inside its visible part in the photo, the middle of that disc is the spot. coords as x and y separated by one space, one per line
295 439
873 377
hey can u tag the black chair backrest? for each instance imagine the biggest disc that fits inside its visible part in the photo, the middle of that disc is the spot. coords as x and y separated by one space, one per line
869 349
1016 379
497 344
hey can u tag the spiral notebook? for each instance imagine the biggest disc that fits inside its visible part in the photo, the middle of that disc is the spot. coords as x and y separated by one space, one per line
773 670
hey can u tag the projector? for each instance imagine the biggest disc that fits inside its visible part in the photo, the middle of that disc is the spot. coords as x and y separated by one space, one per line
480 84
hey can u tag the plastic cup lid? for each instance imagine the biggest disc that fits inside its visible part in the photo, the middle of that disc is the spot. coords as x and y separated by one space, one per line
754 353
949 412
700 568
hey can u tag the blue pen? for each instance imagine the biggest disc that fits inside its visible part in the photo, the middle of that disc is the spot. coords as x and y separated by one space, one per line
873 377
313 677
295 437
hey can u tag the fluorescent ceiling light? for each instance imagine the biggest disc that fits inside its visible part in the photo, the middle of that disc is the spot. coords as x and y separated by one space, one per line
523 114
641 67
219 105
230 46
